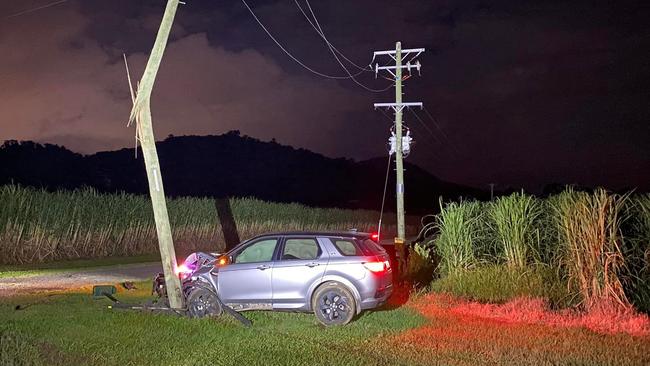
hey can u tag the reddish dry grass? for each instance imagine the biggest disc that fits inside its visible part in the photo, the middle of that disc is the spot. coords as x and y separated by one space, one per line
522 331
606 318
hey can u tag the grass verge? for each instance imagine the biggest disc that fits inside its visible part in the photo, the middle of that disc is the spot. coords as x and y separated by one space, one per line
15 349
74 328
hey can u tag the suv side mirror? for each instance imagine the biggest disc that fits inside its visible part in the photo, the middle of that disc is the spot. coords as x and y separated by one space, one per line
223 261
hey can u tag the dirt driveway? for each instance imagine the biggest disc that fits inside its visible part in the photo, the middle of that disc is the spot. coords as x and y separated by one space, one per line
66 280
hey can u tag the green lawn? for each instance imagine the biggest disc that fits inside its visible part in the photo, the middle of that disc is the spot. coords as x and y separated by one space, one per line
71 265
73 329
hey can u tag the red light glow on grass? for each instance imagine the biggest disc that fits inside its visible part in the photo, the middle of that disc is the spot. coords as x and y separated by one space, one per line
522 331
606 318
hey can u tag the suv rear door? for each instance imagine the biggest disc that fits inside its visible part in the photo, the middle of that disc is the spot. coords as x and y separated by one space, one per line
301 264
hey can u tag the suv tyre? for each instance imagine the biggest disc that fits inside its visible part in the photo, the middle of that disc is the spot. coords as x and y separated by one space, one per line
333 304
203 302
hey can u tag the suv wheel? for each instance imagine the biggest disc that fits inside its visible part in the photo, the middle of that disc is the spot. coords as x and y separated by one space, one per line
203 302
333 304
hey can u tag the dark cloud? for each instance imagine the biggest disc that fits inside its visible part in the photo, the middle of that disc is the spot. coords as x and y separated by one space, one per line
526 92
200 90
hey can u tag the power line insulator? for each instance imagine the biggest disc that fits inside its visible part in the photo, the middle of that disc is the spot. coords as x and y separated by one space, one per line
392 144
406 143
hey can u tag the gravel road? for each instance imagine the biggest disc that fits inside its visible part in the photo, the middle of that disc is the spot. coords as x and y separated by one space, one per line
66 280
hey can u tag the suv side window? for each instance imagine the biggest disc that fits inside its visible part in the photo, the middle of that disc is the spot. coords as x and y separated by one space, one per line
301 248
346 247
260 251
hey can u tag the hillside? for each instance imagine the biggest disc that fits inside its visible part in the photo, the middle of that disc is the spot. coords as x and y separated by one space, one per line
227 165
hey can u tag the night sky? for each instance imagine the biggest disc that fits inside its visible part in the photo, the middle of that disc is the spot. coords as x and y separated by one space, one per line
525 93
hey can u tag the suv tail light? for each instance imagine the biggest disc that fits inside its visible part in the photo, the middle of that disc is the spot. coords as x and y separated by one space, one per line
377 266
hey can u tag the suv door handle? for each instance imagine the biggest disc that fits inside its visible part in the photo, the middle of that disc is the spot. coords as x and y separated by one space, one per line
263 267
311 265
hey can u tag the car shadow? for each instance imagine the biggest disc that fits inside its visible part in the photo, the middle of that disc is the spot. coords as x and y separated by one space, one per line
398 299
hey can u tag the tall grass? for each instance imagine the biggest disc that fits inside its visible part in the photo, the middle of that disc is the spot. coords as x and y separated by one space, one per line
461 232
597 244
38 226
637 252
514 220
590 228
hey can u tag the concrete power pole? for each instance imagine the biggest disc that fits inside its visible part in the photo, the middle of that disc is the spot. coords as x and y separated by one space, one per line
141 113
396 71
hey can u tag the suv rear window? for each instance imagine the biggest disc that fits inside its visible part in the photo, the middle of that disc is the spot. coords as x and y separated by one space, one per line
347 247
373 247
357 247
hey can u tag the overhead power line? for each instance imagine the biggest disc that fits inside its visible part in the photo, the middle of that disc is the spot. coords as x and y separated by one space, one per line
390 119
435 122
320 33
285 50
331 48
426 127
36 9
426 151
441 130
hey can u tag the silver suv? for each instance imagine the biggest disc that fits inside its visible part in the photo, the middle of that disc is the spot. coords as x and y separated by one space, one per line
336 275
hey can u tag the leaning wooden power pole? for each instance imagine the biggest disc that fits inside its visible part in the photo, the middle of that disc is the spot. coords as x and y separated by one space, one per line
396 71
141 113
